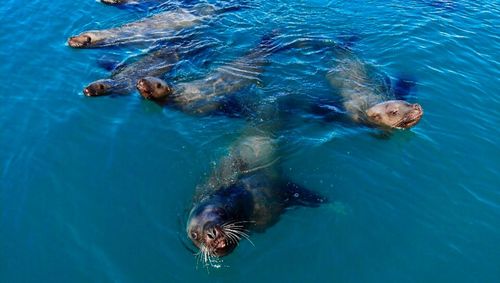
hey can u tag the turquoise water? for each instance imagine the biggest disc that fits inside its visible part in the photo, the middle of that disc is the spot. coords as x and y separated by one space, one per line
97 190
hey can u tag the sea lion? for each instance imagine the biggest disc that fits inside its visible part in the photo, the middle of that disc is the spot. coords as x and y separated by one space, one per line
138 4
246 192
122 2
123 78
365 101
155 27
208 94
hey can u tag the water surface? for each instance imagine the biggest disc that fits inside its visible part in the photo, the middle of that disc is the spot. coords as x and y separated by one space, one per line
97 190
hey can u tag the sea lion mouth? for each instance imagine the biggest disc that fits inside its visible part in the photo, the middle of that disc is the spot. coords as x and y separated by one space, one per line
90 91
219 246
111 2
79 41
411 118
145 89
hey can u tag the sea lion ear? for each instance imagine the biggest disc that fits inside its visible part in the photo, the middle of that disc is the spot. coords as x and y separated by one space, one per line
294 194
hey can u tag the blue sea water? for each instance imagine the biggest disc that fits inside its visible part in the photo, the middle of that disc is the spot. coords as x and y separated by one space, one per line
97 190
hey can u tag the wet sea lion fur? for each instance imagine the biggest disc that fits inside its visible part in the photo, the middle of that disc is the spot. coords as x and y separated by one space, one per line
246 192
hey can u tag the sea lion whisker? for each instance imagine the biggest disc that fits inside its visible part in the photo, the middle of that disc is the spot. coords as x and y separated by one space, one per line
237 239
239 222
198 256
233 224
242 234
234 236
228 237
239 228
206 256
230 230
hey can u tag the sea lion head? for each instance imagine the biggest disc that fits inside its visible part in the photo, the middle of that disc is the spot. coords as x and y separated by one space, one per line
218 223
395 114
112 2
85 40
100 87
206 229
153 88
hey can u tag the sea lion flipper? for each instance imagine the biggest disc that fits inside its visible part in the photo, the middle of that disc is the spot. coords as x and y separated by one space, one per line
231 107
403 87
329 111
294 194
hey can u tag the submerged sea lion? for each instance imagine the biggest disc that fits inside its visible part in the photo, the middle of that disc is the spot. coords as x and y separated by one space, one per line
155 27
366 101
207 94
246 192
138 4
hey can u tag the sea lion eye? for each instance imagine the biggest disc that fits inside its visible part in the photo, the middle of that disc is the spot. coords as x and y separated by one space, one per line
194 236
394 112
158 85
101 87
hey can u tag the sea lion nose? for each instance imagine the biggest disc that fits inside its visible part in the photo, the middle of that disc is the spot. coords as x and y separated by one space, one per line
72 42
88 92
212 233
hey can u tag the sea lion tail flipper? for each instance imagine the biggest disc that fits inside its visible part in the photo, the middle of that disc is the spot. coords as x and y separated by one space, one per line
294 194
403 87
330 111
232 6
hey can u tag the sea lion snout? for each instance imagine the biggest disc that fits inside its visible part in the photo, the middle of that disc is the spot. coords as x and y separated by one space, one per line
79 41
215 239
212 232
418 108
144 88
111 2
88 92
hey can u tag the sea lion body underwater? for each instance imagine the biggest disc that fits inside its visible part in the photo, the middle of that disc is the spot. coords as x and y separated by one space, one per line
246 192
156 27
210 93
368 102
142 5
